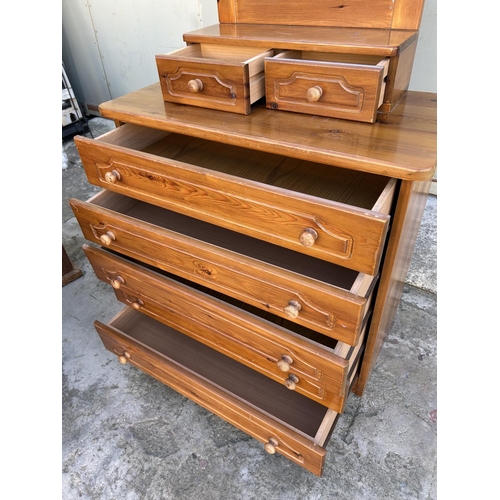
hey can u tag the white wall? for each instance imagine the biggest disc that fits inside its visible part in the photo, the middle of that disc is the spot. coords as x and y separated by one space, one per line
424 74
109 45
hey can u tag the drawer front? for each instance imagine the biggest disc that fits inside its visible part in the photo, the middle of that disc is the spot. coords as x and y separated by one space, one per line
327 309
349 236
337 90
308 368
228 84
275 436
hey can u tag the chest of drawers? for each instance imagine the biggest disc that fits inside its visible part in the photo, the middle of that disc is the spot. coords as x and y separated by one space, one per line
260 257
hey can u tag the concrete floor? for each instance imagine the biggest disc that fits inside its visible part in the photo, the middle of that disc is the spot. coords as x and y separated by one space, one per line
126 436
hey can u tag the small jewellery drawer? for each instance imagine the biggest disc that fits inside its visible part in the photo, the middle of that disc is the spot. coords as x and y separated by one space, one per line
284 421
215 76
302 360
335 85
330 213
316 294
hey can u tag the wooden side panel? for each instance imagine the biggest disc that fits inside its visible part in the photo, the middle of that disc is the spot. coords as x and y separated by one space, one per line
292 445
410 207
361 13
407 14
398 78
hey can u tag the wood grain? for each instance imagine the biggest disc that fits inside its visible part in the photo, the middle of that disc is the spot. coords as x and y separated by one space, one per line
403 147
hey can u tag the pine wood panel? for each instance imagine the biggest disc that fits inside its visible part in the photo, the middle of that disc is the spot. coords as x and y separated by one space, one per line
411 204
322 39
347 90
247 274
265 196
360 13
226 78
403 147
322 374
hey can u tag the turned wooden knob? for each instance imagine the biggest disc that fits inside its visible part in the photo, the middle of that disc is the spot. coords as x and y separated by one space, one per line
292 309
124 358
271 446
107 238
112 176
285 362
195 86
314 93
308 237
117 282
137 304
291 382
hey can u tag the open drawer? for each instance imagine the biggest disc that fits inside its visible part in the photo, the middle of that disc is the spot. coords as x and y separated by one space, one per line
316 294
330 213
229 78
298 358
285 421
347 86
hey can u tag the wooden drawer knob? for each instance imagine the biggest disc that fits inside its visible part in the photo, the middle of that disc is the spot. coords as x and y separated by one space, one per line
195 86
124 358
107 238
308 237
285 362
112 176
117 282
314 93
271 446
137 304
291 382
292 309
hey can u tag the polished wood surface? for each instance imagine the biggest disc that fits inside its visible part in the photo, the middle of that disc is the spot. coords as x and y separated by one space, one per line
321 374
359 13
410 207
403 146
263 275
213 76
318 85
337 215
322 39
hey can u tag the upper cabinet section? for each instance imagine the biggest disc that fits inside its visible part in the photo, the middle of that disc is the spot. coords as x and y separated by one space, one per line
382 14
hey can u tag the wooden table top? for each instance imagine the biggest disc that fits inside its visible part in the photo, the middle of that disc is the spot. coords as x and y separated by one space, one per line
403 146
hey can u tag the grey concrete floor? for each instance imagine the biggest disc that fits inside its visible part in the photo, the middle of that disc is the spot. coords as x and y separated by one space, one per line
126 436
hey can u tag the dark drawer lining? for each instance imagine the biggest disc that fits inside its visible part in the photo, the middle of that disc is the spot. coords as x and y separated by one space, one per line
260 250
274 399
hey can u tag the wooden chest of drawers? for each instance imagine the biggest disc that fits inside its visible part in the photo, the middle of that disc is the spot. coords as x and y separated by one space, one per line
260 257
347 61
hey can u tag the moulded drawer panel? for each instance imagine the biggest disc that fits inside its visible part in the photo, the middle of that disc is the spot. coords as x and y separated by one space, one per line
333 214
331 300
323 86
302 360
213 76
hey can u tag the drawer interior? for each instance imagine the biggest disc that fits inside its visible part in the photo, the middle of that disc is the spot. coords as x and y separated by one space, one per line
260 250
333 57
292 327
350 187
289 407
226 53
